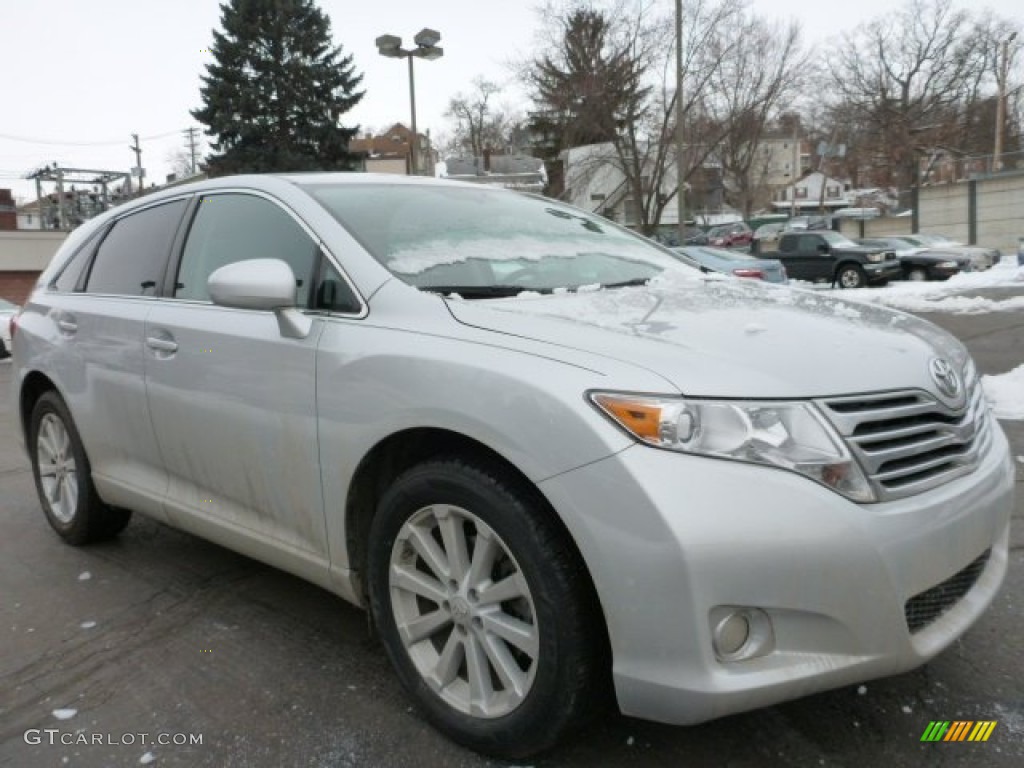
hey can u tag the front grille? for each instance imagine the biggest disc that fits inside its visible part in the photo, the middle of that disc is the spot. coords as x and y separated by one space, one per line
921 610
909 442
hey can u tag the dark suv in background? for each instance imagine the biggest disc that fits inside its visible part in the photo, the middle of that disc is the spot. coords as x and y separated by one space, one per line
830 256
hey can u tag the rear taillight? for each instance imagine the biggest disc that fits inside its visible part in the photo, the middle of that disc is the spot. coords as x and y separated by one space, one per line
755 273
12 326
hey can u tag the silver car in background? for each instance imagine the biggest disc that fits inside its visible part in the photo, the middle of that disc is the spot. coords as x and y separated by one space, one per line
551 460
7 311
735 263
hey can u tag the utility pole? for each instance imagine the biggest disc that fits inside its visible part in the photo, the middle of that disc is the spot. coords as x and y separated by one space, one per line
680 162
193 145
997 155
62 217
138 163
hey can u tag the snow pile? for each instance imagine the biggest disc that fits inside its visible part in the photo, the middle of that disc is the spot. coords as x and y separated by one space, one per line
1005 393
942 297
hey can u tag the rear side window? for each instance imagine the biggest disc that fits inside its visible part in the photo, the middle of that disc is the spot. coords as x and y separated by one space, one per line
73 271
131 259
809 243
234 227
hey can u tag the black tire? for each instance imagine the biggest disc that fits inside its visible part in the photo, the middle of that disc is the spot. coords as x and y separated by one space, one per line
851 276
87 519
570 669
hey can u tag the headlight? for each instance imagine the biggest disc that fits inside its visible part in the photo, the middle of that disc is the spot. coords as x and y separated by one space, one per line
789 435
874 258
946 265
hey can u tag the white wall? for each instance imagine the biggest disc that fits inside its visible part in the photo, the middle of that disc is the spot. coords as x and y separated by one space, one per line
28 250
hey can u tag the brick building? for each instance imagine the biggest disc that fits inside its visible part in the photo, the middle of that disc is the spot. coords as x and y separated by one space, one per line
8 212
391 152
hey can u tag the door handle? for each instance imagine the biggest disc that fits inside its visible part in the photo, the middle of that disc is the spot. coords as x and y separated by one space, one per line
68 326
161 345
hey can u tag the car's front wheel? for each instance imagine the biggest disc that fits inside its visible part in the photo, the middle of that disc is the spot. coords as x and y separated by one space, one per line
483 608
851 276
63 477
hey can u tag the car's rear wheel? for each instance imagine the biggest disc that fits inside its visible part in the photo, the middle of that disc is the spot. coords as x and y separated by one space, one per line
63 477
851 276
483 609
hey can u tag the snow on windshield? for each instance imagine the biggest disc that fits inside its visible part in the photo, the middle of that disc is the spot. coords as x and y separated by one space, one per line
418 257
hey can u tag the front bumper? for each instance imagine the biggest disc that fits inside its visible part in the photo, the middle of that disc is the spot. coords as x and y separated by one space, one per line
943 273
668 538
885 270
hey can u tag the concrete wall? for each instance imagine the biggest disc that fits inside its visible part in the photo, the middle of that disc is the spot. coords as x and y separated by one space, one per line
945 210
23 255
395 165
1001 212
889 226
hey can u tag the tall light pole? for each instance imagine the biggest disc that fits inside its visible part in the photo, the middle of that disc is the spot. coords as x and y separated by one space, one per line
680 162
426 48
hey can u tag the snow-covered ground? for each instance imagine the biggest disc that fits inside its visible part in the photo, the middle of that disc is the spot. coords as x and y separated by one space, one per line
942 296
1005 393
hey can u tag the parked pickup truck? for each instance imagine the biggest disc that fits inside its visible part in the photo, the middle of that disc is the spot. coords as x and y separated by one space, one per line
829 256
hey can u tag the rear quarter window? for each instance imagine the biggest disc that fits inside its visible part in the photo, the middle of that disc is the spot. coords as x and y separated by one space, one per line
132 257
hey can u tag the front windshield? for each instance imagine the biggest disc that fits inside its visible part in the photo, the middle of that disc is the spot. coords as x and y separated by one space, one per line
485 241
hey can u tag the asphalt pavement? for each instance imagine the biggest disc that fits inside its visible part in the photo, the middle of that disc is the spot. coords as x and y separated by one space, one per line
160 636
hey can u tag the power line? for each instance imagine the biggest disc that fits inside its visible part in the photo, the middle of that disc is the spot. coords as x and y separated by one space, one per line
49 142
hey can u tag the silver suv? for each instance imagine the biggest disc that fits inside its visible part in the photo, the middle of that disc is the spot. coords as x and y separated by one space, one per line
550 459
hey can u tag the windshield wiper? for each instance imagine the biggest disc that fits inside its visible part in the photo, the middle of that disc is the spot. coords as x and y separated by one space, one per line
628 283
475 291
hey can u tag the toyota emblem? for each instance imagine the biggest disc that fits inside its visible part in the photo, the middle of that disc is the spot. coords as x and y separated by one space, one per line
945 378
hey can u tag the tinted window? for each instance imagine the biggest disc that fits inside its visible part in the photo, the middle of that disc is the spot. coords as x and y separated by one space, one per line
809 243
132 256
333 293
73 270
235 227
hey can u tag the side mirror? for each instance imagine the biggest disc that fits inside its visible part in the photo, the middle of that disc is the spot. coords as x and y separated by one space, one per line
261 284
823 248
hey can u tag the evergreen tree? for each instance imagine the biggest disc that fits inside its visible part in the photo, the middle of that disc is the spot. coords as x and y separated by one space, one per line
276 90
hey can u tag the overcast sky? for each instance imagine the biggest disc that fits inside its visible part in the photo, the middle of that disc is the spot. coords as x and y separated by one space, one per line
80 76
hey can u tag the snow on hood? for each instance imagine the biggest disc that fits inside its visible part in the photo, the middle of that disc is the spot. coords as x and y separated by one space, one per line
731 338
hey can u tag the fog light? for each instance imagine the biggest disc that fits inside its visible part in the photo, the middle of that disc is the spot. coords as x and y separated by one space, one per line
739 633
731 634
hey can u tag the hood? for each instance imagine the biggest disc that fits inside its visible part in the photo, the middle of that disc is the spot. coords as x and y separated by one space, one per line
730 338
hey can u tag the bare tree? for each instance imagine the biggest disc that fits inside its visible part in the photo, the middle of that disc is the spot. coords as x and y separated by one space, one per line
909 74
607 78
478 122
749 89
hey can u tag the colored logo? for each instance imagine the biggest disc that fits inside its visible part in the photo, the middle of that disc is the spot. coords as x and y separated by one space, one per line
945 378
958 730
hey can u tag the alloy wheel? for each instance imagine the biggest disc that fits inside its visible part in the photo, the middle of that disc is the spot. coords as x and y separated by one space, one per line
464 611
58 472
